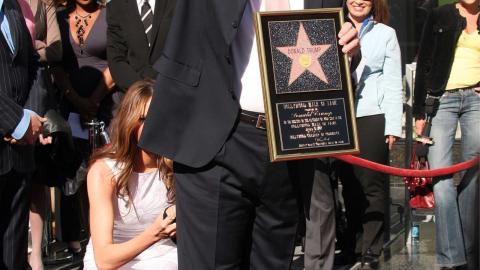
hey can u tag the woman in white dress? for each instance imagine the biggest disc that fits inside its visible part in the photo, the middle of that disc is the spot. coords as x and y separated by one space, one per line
131 194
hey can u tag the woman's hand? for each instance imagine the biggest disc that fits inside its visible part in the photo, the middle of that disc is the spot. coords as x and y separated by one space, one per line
390 140
165 227
419 126
171 212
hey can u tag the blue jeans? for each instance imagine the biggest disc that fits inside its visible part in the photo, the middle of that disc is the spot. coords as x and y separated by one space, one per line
455 206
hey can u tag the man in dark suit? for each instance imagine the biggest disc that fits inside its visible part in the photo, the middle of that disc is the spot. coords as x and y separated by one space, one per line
135 42
235 209
19 129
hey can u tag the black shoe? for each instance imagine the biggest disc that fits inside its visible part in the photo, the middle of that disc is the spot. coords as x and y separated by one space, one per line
369 261
344 259
76 252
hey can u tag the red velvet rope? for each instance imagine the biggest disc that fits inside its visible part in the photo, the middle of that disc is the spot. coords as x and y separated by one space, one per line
408 172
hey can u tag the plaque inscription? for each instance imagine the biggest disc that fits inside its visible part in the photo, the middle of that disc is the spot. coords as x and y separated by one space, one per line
312 124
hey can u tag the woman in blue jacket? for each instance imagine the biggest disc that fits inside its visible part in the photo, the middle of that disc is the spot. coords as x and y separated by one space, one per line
378 108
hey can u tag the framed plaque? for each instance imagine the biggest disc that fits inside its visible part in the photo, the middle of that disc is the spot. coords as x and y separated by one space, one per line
306 84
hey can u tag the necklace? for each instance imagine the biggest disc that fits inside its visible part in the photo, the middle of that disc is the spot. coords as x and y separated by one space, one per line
81 22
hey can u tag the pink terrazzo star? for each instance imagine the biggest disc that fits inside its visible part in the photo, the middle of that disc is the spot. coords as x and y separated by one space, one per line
304 57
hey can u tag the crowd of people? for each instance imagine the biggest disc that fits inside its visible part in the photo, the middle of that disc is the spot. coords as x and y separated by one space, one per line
186 182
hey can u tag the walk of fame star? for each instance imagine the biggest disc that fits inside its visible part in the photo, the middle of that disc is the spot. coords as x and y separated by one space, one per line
304 57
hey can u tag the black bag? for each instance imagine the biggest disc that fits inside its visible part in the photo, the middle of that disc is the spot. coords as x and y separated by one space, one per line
59 160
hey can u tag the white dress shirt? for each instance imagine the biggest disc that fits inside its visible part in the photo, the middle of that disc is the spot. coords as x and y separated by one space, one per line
248 84
140 4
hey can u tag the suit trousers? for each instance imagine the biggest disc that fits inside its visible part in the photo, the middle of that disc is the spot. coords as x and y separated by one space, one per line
14 206
364 190
320 216
238 212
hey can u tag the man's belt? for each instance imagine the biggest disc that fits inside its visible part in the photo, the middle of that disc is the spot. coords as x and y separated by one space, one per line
253 118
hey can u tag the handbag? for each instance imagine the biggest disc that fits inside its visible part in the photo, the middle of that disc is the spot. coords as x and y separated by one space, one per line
420 189
59 160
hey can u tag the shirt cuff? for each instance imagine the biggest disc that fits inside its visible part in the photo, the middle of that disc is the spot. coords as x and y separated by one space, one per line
23 125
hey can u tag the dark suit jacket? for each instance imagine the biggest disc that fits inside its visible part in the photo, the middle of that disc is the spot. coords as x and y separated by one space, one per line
194 108
129 57
19 89
323 3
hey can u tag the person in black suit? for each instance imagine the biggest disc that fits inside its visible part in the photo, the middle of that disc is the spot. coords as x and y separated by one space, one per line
235 209
22 96
132 47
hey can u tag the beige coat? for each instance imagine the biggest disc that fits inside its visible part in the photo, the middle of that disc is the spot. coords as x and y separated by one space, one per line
47 42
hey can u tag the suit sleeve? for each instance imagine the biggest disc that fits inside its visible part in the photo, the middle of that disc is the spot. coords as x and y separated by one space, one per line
37 100
424 64
149 72
10 114
123 74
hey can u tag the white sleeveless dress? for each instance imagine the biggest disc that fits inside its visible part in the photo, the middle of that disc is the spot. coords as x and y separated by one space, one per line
149 196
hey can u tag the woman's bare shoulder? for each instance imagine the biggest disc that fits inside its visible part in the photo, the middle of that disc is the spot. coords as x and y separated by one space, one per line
100 173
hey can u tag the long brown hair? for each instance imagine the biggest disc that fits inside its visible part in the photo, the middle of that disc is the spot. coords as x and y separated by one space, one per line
380 11
123 147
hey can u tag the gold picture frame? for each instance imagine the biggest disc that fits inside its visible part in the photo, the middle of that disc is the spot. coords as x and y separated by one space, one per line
306 83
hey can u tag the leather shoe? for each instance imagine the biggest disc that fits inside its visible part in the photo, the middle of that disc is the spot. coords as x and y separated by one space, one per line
344 259
369 261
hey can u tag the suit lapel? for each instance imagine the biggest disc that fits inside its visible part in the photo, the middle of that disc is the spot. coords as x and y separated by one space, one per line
136 21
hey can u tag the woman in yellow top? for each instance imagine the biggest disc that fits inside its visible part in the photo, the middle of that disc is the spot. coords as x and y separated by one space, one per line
448 73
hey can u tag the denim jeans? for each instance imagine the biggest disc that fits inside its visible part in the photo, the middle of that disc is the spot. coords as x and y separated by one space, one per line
455 206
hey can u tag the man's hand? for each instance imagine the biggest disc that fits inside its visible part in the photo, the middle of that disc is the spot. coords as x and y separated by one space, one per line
348 38
33 131
41 139
9 139
45 140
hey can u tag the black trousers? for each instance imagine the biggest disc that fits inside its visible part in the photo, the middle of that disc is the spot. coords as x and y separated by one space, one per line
74 208
14 205
238 212
363 190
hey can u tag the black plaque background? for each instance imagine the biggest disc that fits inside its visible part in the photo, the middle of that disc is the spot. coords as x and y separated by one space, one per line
286 35
275 98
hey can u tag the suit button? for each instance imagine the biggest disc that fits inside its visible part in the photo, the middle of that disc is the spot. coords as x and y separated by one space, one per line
235 24
229 60
232 93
